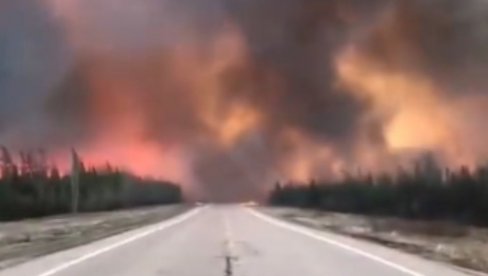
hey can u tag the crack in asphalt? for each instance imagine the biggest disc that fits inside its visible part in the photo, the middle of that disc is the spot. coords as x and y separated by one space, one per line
228 265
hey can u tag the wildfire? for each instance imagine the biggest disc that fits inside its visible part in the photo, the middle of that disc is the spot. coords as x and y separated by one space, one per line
308 159
414 115
131 99
204 93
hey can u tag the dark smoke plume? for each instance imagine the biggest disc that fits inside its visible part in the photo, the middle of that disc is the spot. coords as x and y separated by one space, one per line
244 92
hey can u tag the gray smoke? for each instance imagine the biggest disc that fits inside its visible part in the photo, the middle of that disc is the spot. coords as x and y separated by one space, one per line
50 54
33 59
444 39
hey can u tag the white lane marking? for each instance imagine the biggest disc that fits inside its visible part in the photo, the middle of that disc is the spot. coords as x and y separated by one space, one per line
304 231
158 227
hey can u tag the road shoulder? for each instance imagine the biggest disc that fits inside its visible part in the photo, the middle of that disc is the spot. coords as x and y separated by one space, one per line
328 226
23 241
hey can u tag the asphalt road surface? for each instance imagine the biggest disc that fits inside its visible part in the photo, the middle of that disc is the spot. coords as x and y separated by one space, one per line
229 240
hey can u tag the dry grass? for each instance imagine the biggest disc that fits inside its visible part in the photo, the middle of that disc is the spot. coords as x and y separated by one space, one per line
23 240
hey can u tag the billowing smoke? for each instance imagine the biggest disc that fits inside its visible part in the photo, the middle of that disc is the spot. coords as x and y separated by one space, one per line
230 96
422 66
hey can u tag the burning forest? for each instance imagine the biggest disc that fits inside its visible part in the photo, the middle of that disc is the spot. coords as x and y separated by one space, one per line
228 97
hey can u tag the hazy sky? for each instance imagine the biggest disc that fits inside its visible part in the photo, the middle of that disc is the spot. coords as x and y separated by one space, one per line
231 96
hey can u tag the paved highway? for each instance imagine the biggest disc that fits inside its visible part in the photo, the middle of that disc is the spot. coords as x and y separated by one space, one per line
229 240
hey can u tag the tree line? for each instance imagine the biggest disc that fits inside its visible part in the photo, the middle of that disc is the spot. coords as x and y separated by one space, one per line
33 188
425 192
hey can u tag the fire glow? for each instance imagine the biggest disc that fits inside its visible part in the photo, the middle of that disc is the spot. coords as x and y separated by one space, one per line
228 97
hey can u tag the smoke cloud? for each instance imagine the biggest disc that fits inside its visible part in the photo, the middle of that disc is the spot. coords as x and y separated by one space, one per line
228 97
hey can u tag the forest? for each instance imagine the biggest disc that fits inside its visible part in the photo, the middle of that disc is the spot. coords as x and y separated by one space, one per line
426 191
35 188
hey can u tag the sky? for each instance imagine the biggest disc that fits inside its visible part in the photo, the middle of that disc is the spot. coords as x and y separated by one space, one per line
228 97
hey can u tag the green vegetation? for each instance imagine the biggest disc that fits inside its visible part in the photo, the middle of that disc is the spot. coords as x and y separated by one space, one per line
34 189
426 192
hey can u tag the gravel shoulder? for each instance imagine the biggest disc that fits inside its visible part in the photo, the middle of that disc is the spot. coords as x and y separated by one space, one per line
24 240
460 245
